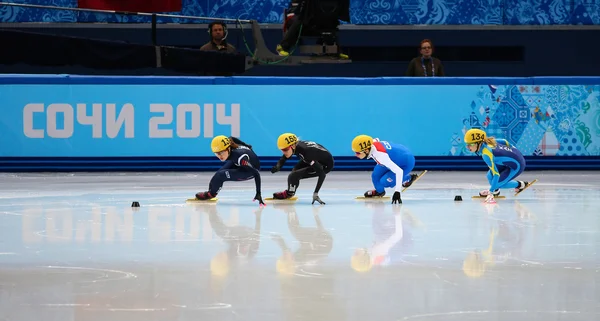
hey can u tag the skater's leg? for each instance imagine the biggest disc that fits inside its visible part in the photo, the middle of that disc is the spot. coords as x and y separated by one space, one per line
388 180
298 172
490 176
221 176
407 168
304 173
378 178
292 184
301 171
507 176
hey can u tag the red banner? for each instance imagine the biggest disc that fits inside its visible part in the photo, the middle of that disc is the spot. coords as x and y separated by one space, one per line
132 5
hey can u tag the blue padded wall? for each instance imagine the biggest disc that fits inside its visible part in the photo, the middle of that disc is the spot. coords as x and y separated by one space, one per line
376 12
80 123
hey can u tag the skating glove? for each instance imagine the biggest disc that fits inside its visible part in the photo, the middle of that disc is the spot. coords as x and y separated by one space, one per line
316 198
396 198
275 169
490 199
258 198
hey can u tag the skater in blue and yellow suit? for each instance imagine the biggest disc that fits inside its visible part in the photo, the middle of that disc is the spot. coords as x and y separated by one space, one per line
504 161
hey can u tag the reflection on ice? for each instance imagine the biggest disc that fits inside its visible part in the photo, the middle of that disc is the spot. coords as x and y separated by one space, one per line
74 249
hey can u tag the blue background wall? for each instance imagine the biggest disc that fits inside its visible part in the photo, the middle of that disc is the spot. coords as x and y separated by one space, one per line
406 12
50 120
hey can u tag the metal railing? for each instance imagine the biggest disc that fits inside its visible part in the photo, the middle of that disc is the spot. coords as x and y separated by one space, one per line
261 53
150 14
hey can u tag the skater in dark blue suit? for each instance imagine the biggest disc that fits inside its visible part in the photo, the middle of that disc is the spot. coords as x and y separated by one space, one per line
241 164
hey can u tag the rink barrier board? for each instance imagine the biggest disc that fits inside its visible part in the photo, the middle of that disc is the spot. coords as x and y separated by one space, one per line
202 164
185 162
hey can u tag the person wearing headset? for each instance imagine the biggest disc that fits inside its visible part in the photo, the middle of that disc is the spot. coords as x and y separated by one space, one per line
218 35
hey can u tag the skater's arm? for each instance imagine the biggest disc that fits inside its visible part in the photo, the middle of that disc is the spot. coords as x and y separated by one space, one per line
321 172
385 160
488 158
279 164
494 183
281 161
244 161
228 164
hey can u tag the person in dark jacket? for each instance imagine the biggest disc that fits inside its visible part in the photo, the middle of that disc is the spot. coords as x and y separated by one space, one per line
218 35
425 65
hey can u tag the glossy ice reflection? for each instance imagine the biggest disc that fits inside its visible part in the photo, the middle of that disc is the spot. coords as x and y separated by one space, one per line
72 248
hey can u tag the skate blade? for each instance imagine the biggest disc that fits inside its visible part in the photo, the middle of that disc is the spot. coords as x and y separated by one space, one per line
291 199
416 179
193 200
495 197
375 198
526 187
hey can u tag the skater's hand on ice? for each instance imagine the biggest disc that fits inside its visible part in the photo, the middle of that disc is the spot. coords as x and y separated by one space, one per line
316 198
258 198
275 169
490 199
396 198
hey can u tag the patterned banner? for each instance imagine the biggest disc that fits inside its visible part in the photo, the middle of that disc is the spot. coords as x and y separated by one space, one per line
540 120
377 12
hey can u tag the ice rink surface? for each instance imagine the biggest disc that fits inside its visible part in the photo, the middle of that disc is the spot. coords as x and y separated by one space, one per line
73 248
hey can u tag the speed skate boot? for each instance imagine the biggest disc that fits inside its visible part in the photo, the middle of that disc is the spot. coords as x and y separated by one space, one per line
410 181
522 185
204 196
374 193
283 195
486 192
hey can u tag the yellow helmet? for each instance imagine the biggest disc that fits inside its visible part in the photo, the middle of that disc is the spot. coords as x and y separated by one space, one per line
286 140
362 143
474 135
220 143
